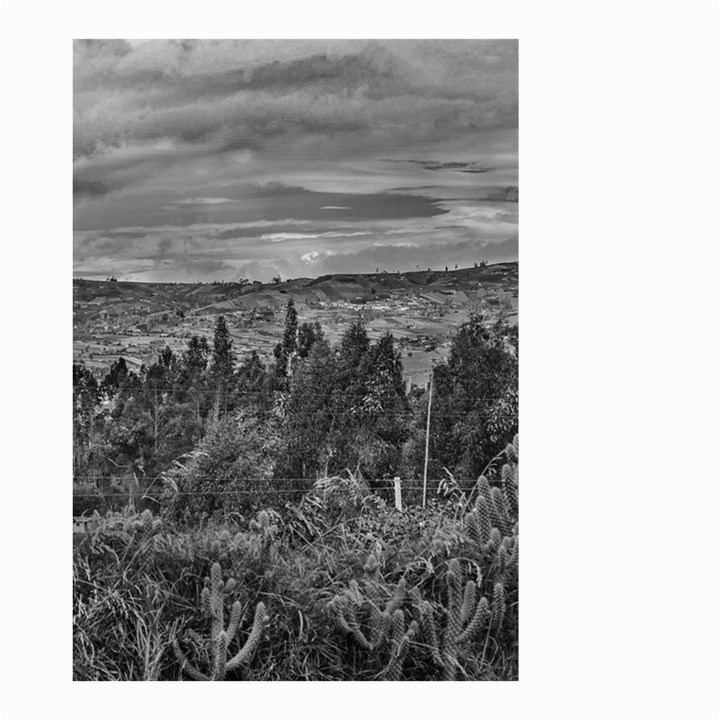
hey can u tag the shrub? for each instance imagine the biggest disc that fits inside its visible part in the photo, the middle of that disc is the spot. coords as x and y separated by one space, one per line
352 589
230 472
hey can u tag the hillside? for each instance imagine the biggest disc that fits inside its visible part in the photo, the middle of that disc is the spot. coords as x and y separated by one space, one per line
421 309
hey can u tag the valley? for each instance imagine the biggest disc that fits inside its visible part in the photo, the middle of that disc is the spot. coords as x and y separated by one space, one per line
421 309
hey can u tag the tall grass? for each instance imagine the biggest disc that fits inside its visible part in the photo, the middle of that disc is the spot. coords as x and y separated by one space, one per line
333 571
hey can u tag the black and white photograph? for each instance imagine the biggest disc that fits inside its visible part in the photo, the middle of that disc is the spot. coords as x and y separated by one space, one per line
279 242
295 360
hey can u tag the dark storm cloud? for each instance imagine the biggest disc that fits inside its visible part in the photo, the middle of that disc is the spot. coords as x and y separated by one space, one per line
89 188
509 194
273 201
231 95
466 167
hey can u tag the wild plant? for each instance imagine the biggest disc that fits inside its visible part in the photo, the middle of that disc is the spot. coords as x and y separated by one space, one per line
375 629
212 603
358 589
465 616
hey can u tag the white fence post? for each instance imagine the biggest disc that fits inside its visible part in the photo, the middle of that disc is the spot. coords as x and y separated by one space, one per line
398 493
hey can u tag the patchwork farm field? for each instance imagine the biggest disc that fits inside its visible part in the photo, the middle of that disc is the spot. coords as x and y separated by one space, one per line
421 309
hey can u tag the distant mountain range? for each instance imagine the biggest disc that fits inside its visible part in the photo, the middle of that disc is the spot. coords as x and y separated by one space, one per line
355 288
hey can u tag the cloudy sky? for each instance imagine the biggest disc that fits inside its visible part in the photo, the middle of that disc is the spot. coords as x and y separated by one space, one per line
201 160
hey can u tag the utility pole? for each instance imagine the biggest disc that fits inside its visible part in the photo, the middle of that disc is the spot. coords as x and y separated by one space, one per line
427 435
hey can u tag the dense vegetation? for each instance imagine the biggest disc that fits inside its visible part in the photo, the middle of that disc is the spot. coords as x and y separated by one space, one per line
344 587
242 525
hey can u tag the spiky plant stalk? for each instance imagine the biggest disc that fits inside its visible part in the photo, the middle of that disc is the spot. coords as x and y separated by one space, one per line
510 489
496 538
382 627
483 515
465 618
346 615
212 603
498 511
347 606
515 555
429 631
264 528
501 559
345 609
498 606
400 639
512 450
484 489
472 526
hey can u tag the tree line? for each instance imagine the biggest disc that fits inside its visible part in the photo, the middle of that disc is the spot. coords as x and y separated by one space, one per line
204 424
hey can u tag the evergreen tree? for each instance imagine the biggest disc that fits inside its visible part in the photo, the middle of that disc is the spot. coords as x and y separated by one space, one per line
383 366
384 413
86 396
354 345
309 416
308 335
85 386
191 385
116 377
167 358
195 358
251 384
348 396
222 359
251 374
289 340
286 350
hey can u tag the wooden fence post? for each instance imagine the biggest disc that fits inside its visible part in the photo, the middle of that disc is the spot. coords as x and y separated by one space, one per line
398 493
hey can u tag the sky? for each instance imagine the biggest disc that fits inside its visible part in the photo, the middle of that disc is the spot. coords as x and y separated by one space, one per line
203 160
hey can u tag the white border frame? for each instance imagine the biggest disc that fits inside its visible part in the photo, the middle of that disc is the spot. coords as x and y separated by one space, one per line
619 341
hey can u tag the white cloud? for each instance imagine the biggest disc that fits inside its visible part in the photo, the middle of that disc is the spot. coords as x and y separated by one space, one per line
396 245
283 236
202 201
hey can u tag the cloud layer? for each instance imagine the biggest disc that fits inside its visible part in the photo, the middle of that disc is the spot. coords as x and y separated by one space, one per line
216 159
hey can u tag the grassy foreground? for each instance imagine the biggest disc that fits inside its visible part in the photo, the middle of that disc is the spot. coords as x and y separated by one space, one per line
338 587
